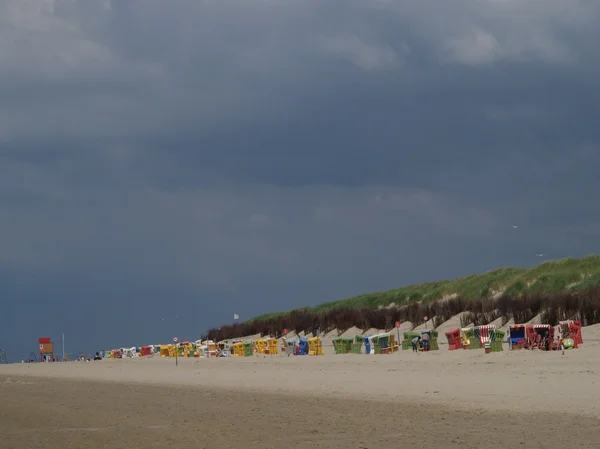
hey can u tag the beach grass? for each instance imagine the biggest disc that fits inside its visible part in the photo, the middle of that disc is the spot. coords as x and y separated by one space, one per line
547 278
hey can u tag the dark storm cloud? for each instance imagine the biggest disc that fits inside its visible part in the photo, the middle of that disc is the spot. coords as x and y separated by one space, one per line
246 156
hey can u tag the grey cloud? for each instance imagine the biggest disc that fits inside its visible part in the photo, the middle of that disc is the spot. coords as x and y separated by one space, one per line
363 55
194 237
259 220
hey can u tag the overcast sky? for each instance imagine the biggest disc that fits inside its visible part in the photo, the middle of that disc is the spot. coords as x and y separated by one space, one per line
165 164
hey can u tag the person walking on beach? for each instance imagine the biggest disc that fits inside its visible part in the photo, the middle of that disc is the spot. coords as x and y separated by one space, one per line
415 341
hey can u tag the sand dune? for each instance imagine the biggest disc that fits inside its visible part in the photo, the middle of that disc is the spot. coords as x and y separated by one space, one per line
332 334
405 326
427 325
352 332
372 331
452 323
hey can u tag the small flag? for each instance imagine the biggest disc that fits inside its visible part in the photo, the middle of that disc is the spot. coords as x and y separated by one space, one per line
236 316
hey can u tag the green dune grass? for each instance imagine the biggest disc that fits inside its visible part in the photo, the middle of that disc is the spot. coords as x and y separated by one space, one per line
549 277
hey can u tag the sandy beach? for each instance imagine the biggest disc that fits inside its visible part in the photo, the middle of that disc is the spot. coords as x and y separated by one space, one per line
439 399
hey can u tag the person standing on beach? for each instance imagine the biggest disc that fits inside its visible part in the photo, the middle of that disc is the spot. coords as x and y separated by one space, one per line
426 341
415 341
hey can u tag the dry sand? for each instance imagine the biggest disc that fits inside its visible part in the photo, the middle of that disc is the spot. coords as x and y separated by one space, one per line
442 399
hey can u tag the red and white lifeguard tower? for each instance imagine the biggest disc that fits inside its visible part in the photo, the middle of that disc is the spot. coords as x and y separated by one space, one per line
46 349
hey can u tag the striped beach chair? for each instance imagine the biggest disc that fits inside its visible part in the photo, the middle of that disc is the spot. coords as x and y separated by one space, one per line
484 333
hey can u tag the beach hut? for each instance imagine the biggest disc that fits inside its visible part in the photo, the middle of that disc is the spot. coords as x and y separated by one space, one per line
302 346
184 349
129 353
291 345
378 343
315 346
260 346
238 349
272 347
145 351
385 343
357 343
496 337
265 345
394 345
342 345
517 337
223 349
375 343
192 350
540 336
483 334
212 348
573 328
165 350
454 341
469 339
464 337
